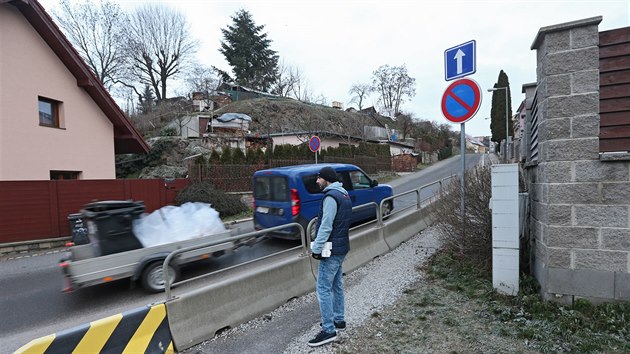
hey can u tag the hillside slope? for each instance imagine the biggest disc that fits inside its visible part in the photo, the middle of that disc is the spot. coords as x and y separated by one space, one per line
288 115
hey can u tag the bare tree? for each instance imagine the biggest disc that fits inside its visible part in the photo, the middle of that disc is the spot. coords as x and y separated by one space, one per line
159 46
405 123
181 121
361 92
203 79
393 84
97 30
287 79
299 86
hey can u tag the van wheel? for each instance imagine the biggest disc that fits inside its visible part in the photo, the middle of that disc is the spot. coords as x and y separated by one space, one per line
387 209
153 277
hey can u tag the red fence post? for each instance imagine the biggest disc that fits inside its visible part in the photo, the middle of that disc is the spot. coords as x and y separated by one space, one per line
54 209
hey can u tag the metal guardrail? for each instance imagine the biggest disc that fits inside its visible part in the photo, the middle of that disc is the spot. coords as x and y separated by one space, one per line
303 233
167 261
418 192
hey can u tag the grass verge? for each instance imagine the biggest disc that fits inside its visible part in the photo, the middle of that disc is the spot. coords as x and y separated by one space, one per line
545 326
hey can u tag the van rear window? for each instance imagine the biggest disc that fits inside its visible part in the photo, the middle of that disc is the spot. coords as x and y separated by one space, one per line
272 188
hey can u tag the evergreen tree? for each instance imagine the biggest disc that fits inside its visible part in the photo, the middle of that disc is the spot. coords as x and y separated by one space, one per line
147 100
250 156
278 152
238 157
226 155
248 52
260 156
497 113
215 157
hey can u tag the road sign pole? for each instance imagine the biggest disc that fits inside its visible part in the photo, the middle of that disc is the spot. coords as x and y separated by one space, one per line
314 144
463 190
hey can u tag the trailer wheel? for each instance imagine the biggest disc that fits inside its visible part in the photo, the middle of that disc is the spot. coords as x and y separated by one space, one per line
153 279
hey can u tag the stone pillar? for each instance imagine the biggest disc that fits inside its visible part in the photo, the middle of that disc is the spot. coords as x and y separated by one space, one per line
581 235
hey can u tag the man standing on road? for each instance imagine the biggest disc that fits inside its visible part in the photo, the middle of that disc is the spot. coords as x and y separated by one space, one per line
330 247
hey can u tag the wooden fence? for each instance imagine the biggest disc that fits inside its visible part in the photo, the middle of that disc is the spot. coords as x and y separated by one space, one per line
614 90
36 210
238 178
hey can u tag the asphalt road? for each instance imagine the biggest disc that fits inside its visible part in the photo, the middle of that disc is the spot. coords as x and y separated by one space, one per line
32 304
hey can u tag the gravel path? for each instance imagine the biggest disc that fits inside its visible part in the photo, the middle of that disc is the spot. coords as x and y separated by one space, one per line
374 287
370 289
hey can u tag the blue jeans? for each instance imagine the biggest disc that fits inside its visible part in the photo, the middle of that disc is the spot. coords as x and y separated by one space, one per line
330 291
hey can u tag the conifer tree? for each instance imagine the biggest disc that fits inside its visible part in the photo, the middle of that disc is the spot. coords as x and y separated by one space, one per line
238 157
247 49
226 155
215 157
497 112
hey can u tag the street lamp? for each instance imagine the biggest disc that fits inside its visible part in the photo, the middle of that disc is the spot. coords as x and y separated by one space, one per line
507 134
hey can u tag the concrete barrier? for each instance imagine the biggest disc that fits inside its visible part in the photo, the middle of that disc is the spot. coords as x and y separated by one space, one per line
263 286
268 283
142 330
366 243
399 228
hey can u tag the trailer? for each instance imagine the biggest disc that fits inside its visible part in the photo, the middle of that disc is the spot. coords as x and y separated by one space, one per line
81 267
113 249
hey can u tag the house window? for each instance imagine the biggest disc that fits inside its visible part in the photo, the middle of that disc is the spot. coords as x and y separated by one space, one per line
49 112
55 175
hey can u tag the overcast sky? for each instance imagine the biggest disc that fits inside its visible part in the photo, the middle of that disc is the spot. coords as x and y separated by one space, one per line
338 43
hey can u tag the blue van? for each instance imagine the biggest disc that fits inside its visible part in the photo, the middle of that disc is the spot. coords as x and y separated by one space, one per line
290 194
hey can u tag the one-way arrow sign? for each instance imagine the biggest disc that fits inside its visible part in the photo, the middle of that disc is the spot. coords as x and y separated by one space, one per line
459 61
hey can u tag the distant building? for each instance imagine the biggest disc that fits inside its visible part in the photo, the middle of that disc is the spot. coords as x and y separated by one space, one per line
239 93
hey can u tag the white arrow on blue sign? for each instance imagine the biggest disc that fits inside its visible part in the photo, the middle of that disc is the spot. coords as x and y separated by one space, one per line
460 61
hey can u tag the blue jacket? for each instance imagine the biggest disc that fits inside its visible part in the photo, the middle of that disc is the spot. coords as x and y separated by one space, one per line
334 220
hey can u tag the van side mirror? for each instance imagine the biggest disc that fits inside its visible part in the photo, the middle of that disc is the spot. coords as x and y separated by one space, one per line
374 183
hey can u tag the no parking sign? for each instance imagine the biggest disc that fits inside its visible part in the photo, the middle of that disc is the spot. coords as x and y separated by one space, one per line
314 144
461 100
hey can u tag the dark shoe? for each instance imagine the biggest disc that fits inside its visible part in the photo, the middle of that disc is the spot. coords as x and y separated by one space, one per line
340 326
322 338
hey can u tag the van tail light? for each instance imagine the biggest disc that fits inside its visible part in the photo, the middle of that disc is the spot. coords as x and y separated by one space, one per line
295 202
253 204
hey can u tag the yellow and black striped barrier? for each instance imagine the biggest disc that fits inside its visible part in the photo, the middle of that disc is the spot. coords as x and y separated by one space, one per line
143 330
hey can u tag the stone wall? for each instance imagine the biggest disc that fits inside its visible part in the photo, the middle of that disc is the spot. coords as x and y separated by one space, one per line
580 200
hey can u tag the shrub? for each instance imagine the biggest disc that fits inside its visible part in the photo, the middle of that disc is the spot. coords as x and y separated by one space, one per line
226 155
168 131
238 157
250 156
214 158
205 192
470 241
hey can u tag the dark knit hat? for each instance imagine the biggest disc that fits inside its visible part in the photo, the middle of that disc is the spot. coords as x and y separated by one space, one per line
328 174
